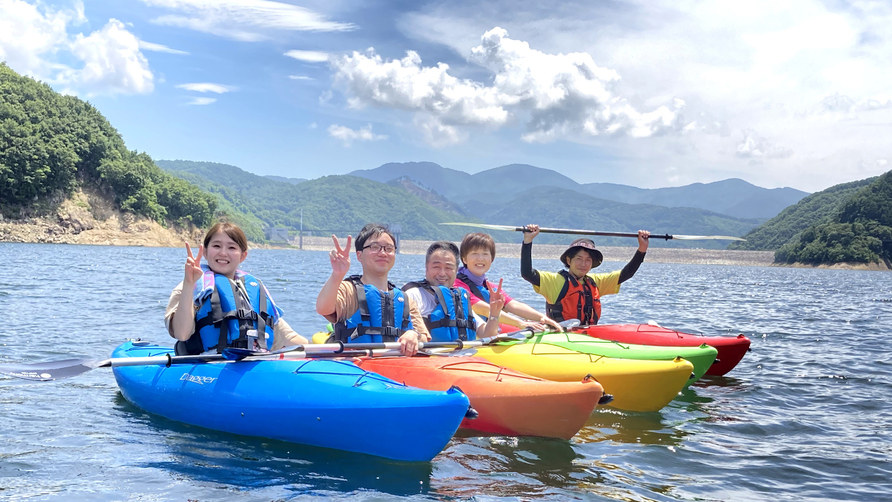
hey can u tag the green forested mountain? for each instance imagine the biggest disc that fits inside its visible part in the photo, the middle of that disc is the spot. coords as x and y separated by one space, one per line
51 144
817 208
560 208
732 197
341 204
860 231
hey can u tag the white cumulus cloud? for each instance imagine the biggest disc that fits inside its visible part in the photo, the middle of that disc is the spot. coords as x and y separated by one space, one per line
35 40
839 103
308 56
348 136
207 87
149 46
558 96
112 61
243 20
762 65
756 147
202 101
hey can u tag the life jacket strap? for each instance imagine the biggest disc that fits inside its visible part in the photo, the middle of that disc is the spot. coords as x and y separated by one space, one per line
476 291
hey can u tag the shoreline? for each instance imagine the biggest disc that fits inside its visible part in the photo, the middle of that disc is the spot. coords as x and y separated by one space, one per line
611 253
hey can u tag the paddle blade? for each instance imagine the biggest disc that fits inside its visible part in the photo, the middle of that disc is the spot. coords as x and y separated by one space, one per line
53 370
706 238
236 354
569 324
482 225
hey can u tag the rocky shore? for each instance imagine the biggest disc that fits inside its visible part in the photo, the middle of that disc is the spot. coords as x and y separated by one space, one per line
89 218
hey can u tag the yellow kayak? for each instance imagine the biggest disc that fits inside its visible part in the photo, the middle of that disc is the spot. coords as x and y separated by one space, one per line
636 385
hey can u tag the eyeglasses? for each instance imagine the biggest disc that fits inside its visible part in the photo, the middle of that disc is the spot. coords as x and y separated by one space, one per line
376 248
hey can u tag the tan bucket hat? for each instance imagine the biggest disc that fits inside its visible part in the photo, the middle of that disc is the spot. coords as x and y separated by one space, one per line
583 243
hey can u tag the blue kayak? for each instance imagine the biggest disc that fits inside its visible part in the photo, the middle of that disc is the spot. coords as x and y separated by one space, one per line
327 403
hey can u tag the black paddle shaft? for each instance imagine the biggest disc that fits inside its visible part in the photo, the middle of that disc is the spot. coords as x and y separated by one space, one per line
590 232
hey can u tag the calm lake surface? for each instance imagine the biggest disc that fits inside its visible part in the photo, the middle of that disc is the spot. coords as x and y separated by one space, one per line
805 416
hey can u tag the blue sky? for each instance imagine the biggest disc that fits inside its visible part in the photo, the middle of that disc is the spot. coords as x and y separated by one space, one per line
646 93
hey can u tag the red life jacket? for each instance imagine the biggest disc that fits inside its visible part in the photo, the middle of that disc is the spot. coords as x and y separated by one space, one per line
576 301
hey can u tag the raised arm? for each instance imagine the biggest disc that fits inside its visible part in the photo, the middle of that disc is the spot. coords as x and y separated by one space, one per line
326 302
527 271
629 270
182 325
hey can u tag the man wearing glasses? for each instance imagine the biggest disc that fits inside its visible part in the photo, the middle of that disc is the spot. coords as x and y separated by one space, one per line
368 308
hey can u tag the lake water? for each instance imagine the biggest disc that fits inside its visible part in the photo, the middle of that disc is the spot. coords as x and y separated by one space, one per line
805 416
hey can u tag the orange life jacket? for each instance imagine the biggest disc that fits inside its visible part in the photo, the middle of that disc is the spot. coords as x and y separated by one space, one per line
576 301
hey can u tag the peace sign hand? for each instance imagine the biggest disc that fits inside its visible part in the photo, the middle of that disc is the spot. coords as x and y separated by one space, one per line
496 300
340 258
193 270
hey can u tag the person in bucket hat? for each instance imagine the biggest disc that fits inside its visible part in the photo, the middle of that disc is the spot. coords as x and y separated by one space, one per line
575 293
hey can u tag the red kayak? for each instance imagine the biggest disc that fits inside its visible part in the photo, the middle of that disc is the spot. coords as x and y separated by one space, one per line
508 402
731 348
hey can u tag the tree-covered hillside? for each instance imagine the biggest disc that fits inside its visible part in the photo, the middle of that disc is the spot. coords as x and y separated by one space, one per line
817 208
859 232
330 204
51 144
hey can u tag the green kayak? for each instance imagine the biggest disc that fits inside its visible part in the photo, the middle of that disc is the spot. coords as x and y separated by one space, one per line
701 357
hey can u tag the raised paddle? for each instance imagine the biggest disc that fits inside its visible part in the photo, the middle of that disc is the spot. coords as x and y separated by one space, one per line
593 232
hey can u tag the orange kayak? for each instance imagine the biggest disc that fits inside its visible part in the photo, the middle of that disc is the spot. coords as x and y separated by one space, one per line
509 403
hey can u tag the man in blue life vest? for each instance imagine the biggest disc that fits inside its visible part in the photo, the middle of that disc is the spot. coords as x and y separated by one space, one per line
446 309
368 307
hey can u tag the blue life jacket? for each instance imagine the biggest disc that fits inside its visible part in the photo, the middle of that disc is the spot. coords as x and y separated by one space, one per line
225 318
382 316
452 319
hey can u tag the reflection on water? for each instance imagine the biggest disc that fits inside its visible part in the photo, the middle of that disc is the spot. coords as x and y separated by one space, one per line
208 456
514 467
629 427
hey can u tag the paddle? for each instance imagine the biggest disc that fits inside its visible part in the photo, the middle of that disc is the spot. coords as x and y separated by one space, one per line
458 344
593 232
68 368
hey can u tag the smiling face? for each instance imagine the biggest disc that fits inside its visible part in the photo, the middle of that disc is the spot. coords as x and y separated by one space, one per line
379 263
224 254
478 261
580 263
441 268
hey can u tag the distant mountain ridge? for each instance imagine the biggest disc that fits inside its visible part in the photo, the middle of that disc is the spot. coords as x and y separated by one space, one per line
293 181
591 213
732 197
339 204
344 202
